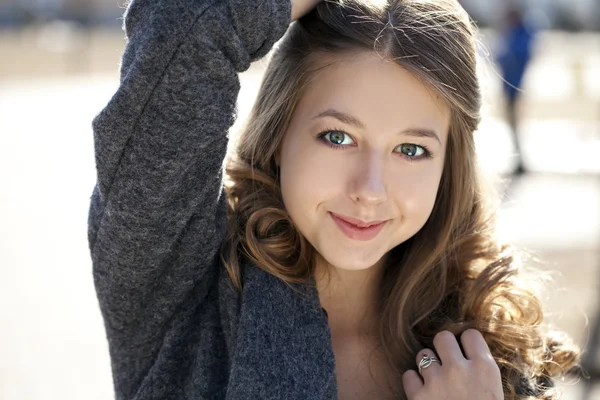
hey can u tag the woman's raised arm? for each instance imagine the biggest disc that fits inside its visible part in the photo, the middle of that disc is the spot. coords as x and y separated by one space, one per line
157 213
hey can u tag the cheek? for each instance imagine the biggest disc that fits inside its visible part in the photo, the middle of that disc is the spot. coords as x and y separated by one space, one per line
307 176
416 192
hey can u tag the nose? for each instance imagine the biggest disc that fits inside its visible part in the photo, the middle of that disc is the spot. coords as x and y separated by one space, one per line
368 186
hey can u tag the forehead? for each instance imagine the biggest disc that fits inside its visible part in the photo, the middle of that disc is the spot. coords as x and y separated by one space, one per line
380 93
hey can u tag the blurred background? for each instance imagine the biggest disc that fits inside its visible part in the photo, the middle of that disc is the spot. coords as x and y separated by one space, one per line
59 59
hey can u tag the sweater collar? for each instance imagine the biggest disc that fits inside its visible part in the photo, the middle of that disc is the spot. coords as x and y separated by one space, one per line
283 347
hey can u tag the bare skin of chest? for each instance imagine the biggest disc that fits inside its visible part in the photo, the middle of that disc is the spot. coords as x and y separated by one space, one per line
359 375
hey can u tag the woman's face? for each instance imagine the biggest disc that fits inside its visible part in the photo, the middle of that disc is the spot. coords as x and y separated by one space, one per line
362 159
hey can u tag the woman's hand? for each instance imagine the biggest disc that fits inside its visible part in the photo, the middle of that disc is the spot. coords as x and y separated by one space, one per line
301 7
474 375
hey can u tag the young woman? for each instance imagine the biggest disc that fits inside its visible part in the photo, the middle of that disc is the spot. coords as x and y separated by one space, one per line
350 253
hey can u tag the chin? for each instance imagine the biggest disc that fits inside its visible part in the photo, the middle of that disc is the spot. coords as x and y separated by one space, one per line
351 260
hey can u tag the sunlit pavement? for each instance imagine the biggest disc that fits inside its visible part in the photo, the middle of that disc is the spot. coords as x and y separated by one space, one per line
52 337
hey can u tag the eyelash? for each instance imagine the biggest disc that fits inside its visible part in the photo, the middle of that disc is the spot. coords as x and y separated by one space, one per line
321 136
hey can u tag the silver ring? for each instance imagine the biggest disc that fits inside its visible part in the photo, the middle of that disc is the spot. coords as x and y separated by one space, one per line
426 362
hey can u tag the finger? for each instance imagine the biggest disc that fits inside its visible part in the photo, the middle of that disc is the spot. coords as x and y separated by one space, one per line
447 347
474 345
411 381
431 370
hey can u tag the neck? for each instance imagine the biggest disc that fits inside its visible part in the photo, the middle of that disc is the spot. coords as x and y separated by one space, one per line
349 297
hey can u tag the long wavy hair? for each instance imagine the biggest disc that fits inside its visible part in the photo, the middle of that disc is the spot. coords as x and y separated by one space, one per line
453 274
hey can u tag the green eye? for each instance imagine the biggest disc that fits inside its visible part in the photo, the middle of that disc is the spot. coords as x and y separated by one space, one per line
338 138
411 150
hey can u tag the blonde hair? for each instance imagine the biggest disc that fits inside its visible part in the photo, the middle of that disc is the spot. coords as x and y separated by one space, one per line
453 274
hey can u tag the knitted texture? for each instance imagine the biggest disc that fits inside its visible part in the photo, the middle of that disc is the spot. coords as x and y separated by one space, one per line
176 329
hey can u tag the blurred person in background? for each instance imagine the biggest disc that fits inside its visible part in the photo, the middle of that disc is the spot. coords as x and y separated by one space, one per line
513 58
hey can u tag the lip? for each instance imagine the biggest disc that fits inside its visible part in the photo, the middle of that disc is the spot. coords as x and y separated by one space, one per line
357 229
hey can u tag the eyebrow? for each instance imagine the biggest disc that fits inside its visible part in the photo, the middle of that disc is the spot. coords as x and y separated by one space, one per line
351 120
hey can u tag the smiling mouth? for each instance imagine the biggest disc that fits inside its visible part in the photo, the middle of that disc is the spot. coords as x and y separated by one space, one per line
356 229
356 222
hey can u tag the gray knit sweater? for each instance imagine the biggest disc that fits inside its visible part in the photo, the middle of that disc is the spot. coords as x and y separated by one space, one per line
176 328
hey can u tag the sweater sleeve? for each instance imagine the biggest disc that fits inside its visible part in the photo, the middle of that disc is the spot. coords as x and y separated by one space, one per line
157 212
